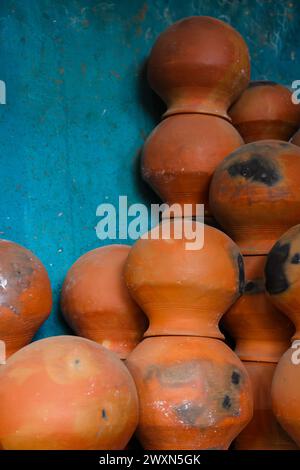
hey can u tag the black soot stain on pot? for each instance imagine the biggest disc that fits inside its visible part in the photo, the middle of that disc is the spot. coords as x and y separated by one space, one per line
254 287
188 412
241 272
257 168
276 280
235 377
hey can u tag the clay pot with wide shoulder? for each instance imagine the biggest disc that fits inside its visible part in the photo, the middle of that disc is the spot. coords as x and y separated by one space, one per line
254 194
296 138
184 287
66 393
261 332
25 296
263 432
282 274
265 110
285 392
96 303
181 154
194 393
199 65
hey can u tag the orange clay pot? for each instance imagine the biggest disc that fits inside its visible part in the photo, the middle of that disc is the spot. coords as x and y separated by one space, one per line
184 291
265 111
255 195
66 393
199 65
25 295
262 332
283 276
181 154
296 138
285 393
194 393
263 432
96 303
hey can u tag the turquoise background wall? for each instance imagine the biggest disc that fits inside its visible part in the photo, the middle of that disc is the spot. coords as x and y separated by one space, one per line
79 108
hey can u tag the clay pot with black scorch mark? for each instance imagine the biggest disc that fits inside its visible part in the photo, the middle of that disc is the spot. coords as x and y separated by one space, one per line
199 65
265 111
254 194
262 333
182 287
96 303
296 138
181 154
66 393
194 393
25 295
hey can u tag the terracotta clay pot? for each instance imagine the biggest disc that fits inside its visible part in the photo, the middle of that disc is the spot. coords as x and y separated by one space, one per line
96 303
265 111
283 276
263 432
181 154
66 393
254 194
285 393
261 332
194 393
199 65
296 138
184 291
25 295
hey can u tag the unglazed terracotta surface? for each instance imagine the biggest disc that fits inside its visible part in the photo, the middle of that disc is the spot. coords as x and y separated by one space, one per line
184 291
25 295
263 432
282 274
199 65
194 393
254 194
296 138
265 111
181 154
66 393
261 332
285 393
96 303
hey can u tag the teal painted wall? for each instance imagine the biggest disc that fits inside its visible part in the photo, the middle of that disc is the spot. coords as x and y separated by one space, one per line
79 108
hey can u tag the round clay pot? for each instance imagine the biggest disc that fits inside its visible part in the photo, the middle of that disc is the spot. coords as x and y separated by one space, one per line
261 332
285 393
296 138
25 295
265 111
66 393
96 303
181 154
199 65
194 393
263 432
283 276
254 194
184 291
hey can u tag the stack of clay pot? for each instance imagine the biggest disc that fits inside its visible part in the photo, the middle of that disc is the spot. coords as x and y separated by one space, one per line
255 197
198 66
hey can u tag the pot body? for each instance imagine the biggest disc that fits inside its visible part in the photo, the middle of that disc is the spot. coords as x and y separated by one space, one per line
181 154
285 393
184 291
25 295
296 138
191 72
282 274
66 393
265 111
261 332
263 432
96 303
194 393
254 194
